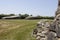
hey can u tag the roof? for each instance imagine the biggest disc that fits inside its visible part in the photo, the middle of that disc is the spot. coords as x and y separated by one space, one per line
9 17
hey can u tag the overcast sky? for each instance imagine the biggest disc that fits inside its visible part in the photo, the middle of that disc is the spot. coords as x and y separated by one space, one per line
34 7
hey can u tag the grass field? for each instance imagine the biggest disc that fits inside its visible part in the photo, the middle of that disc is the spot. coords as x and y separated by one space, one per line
17 29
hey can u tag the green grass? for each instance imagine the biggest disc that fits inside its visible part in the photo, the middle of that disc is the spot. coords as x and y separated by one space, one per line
17 29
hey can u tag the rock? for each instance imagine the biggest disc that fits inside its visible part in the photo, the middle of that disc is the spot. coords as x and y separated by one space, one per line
38 38
52 27
57 25
51 36
41 30
35 31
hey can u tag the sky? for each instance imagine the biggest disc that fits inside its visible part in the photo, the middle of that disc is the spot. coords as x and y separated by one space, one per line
34 7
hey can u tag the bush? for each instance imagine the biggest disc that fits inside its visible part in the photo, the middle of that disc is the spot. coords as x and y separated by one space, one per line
40 17
23 16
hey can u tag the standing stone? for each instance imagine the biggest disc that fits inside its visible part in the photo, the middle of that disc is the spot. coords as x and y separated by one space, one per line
58 9
55 26
58 25
57 20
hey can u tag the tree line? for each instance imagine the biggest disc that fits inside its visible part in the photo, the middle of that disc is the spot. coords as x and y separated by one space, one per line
26 16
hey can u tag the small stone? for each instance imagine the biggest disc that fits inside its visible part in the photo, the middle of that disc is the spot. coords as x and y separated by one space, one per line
38 38
35 31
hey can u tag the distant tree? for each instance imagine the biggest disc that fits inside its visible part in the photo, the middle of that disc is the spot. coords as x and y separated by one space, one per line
2 15
31 15
26 15
12 14
23 16
19 15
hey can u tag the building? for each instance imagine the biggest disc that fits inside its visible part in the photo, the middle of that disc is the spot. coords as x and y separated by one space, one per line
10 17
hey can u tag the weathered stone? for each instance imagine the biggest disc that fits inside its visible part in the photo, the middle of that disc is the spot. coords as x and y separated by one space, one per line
51 36
58 9
35 31
57 25
52 27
